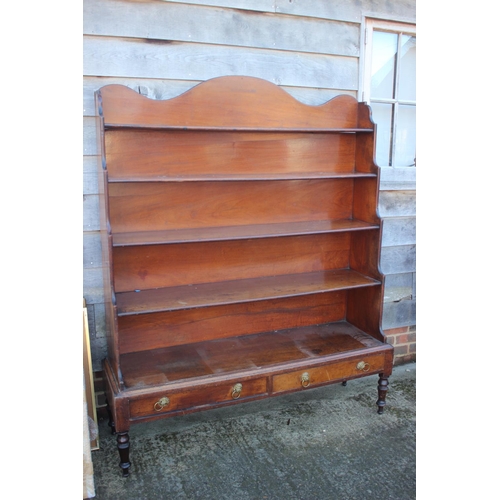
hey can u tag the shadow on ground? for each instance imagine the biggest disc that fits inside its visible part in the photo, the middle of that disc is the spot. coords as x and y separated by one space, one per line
325 443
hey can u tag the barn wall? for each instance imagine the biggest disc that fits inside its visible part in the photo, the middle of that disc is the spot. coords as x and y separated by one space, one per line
309 47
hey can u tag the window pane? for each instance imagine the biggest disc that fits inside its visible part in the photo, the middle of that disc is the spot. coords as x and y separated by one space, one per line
382 116
405 136
407 73
385 46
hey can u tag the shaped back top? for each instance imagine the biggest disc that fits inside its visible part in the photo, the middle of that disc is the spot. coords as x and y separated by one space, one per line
231 103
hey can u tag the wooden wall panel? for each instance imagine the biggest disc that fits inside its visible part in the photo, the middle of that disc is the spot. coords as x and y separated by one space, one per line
238 28
399 259
324 9
251 5
92 257
398 203
349 10
93 286
398 314
89 137
127 57
91 212
399 287
398 179
90 183
399 231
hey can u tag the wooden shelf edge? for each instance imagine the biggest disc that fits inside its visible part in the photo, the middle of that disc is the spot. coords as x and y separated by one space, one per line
244 177
243 232
193 128
238 291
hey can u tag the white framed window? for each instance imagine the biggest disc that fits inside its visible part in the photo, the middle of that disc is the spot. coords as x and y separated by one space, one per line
389 87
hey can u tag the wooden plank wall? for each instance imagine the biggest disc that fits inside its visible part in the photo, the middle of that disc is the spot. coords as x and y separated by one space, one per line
162 48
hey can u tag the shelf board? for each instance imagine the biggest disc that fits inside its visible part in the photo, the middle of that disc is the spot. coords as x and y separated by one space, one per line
191 128
268 176
227 233
238 291
246 355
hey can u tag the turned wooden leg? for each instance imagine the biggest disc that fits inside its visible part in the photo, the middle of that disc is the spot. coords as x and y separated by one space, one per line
383 383
123 449
111 422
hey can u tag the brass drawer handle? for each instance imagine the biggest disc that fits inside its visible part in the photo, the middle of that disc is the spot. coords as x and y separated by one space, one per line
236 391
161 403
363 366
305 380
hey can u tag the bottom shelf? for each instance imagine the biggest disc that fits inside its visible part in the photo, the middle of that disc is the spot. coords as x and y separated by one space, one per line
246 356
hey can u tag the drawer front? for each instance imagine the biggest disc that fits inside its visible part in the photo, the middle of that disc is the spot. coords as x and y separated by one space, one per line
309 377
166 402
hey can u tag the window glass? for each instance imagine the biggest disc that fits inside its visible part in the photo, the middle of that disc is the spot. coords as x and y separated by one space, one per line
382 116
407 74
405 136
390 90
385 46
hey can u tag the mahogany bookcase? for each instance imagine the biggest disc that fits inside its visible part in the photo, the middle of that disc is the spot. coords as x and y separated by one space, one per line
241 248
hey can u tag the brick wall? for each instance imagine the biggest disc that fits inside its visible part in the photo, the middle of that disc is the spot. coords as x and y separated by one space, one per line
404 341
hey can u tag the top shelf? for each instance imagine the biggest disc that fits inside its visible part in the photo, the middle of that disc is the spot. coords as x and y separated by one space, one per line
230 103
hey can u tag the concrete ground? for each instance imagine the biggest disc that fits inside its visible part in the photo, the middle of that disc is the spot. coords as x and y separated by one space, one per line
324 443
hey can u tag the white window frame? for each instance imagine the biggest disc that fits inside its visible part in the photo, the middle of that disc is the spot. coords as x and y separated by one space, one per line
393 173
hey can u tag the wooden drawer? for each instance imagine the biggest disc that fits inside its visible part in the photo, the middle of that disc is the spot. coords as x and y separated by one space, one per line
309 377
166 402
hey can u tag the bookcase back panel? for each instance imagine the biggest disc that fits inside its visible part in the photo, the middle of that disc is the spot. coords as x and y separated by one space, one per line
153 154
162 206
165 329
156 266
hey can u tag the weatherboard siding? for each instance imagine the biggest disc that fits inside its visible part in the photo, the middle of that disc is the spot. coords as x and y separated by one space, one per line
163 48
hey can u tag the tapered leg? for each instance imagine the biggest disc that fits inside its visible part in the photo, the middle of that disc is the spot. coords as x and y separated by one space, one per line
383 383
123 449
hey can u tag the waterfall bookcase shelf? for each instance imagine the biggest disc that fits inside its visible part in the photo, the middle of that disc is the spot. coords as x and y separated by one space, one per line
241 248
